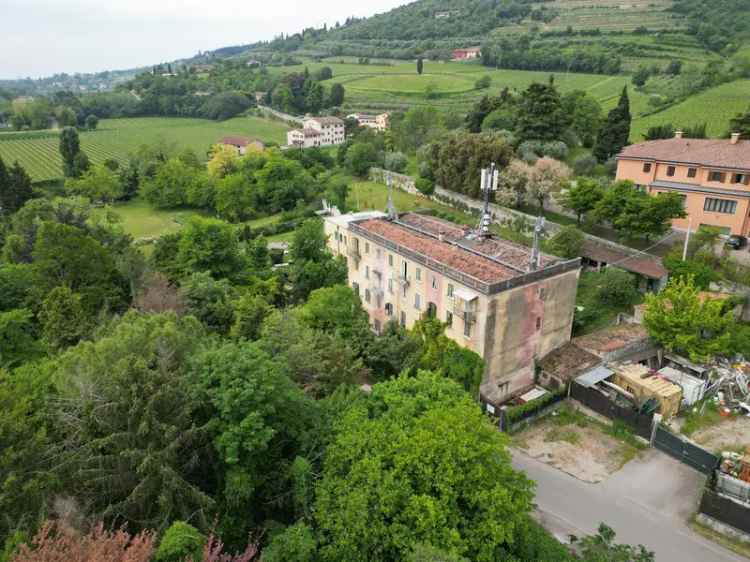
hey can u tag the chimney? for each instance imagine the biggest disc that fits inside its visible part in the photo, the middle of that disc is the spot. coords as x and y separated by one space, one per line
678 134
735 138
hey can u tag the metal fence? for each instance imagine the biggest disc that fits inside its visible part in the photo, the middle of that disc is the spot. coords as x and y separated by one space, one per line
726 510
685 451
592 398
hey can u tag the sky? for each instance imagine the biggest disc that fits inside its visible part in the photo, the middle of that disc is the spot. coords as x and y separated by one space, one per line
44 37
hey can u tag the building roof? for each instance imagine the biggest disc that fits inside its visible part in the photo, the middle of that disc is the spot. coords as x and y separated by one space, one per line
613 338
328 120
450 255
594 376
235 141
719 153
643 264
468 49
568 361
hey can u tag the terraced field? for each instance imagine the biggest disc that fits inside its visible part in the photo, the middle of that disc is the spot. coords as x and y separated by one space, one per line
115 138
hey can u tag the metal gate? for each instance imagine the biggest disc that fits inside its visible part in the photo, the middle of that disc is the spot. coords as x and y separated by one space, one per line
684 451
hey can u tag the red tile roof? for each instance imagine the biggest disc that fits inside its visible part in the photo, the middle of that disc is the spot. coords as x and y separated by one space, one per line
444 253
643 264
707 152
235 141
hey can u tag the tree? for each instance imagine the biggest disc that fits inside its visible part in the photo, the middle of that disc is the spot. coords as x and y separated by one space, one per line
513 184
540 114
674 67
682 322
209 301
582 196
420 65
360 158
336 310
92 122
99 183
602 548
81 164
641 76
63 319
294 543
616 287
15 188
427 553
249 314
209 245
567 242
225 105
615 132
70 146
420 126
337 95
483 83
66 117
179 543
396 162
583 115
338 193
17 337
134 448
417 462
546 179
234 198
223 161
169 187
741 124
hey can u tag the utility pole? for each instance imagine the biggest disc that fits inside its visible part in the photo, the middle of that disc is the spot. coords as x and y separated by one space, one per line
687 239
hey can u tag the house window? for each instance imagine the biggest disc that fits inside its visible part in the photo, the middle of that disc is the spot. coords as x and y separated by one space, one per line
388 309
355 287
450 290
390 260
419 274
720 206
467 329
404 269
741 178
403 319
367 247
692 172
417 301
367 295
367 272
390 286
646 167
449 318
670 171
717 176
434 282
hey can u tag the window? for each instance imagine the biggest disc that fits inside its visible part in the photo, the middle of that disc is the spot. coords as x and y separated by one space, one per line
692 172
390 260
367 247
449 318
417 301
419 274
355 287
434 282
670 171
378 253
741 178
646 167
403 319
720 206
717 176
390 286
367 272
404 269
467 329
388 309
450 290
367 295
538 323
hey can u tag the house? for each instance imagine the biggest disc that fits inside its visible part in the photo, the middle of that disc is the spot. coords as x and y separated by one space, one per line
316 132
490 292
467 54
242 144
253 63
377 122
711 175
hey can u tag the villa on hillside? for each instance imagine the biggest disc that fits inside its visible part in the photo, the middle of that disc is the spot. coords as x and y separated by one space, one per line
377 122
467 54
712 176
316 132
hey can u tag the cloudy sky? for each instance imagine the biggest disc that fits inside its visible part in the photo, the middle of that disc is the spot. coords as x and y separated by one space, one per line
42 37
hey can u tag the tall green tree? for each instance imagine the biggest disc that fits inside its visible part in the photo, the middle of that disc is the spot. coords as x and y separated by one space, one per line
337 95
15 188
420 65
63 318
615 131
582 196
313 266
209 245
99 183
70 147
540 114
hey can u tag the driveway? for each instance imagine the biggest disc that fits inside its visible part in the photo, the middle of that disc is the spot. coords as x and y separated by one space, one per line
647 502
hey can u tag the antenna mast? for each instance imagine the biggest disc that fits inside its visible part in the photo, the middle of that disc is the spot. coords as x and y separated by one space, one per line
390 206
536 255
490 178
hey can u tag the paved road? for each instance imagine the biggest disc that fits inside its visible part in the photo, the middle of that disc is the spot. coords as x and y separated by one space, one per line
647 502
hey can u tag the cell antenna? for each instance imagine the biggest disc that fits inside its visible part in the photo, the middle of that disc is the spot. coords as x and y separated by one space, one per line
391 207
536 255
490 178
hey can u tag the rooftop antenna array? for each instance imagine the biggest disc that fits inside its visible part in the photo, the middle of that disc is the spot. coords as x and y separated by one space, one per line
536 255
391 207
490 180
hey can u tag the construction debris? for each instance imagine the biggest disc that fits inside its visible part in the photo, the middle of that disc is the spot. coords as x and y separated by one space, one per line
730 386
736 465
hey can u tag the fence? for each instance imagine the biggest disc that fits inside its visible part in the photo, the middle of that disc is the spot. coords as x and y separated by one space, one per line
685 451
726 510
592 398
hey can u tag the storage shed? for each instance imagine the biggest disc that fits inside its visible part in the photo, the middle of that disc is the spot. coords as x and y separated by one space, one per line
693 388
645 384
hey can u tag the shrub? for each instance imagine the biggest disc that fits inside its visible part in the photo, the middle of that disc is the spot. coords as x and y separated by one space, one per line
567 243
555 149
180 542
483 83
425 186
584 165
396 162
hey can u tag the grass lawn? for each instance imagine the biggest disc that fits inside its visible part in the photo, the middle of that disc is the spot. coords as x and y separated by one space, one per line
140 220
115 138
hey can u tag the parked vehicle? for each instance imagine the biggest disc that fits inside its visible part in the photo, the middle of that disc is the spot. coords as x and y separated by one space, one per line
736 242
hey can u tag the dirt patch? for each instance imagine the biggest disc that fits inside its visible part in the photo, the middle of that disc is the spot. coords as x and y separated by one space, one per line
728 435
582 450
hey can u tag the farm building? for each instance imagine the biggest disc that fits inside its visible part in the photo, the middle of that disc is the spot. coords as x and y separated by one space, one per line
377 122
467 53
242 144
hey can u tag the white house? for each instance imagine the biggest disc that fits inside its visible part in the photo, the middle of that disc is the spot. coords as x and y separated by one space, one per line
377 122
318 131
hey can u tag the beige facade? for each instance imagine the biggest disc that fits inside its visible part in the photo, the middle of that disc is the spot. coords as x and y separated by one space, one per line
713 176
509 317
318 131
377 122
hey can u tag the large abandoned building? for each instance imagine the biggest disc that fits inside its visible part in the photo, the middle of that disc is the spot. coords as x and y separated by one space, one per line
508 303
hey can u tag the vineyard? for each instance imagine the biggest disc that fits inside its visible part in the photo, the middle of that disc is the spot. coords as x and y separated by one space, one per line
38 151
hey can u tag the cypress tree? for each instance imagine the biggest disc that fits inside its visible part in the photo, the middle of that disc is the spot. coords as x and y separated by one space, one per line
615 132
18 189
70 146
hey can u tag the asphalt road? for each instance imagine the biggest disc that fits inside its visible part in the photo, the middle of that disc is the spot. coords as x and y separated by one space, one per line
647 502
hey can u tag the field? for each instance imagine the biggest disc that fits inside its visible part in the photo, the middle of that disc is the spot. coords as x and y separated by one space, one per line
715 107
115 138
